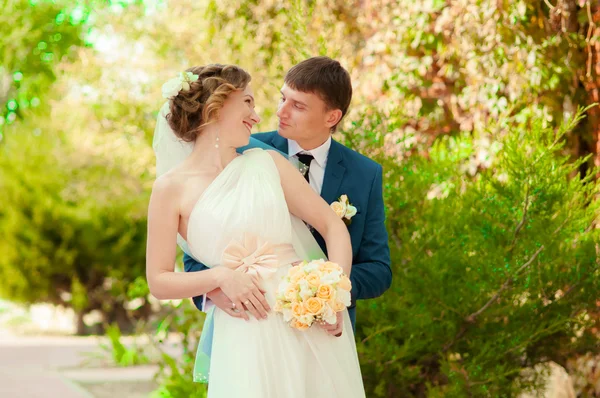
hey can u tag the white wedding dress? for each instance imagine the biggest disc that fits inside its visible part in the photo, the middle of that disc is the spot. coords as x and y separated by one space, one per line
243 213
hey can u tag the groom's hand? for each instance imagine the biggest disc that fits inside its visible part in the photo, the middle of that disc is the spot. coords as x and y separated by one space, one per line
223 302
218 298
336 328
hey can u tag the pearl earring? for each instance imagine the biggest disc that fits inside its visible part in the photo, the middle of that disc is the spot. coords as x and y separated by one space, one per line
217 144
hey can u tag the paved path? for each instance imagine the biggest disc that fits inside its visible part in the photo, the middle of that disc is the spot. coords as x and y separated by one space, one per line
44 367
29 366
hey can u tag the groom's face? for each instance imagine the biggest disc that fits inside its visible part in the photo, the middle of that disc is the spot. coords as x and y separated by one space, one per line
302 116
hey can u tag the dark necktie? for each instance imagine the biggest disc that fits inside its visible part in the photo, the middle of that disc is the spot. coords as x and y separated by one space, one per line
305 159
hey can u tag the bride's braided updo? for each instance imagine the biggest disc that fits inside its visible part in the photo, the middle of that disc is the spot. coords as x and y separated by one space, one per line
195 108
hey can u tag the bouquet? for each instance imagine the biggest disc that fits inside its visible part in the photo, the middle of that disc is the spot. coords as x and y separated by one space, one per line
313 292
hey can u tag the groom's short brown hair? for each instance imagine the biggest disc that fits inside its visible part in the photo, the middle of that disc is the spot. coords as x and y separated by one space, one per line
326 78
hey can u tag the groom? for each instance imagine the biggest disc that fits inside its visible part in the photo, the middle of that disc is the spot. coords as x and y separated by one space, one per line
315 97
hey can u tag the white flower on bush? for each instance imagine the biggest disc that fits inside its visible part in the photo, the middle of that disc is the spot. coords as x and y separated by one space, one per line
440 191
180 83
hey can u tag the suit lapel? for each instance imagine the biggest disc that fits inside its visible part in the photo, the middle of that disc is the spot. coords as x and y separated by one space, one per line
280 143
334 172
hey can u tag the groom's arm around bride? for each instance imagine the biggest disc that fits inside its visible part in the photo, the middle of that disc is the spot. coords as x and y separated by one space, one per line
315 96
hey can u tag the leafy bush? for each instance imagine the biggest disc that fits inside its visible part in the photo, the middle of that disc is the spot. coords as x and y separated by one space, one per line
495 269
73 225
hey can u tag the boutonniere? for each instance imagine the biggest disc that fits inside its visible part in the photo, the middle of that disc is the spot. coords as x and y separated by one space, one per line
344 209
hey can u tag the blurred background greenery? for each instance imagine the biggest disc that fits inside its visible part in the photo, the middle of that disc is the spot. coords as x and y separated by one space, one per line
481 111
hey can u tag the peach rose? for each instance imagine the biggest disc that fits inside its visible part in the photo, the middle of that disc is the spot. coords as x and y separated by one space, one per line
299 325
291 292
297 276
278 307
325 292
336 305
338 208
313 279
345 283
313 306
294 270
331 266
298 309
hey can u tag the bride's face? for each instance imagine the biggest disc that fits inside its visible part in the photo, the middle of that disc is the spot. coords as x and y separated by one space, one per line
237 118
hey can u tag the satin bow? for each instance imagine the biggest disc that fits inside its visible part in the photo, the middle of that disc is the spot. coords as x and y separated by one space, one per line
255 256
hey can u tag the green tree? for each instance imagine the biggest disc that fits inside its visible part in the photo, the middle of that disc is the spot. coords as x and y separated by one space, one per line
74 227
35 36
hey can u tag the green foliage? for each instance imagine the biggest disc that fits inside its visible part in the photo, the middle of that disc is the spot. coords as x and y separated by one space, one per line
121 354
73 236
458 101
178 383
35 36
492 272
175 374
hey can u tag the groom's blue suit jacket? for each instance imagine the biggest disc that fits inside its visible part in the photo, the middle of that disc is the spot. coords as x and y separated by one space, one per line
347 173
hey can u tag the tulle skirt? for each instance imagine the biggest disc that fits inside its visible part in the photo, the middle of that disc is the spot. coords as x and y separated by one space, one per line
269 359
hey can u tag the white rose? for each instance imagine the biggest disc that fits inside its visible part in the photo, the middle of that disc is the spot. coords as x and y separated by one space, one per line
331 278
303 284
329 315
344 296
287 314
283 287
307 319
171 88
305 290
350 212
310 267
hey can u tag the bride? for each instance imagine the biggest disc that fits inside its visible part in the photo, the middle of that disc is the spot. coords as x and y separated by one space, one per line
212 199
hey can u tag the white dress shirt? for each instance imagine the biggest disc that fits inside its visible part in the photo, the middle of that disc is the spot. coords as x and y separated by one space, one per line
317 166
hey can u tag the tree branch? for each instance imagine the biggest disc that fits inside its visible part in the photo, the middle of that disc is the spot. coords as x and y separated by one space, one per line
522 222
471 318
380 331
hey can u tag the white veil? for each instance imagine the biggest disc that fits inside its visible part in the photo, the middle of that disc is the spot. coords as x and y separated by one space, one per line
171 151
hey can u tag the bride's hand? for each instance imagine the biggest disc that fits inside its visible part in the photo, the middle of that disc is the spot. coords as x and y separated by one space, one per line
245 293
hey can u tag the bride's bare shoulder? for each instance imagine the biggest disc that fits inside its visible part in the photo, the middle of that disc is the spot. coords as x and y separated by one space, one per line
172 181
283 165
278 158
